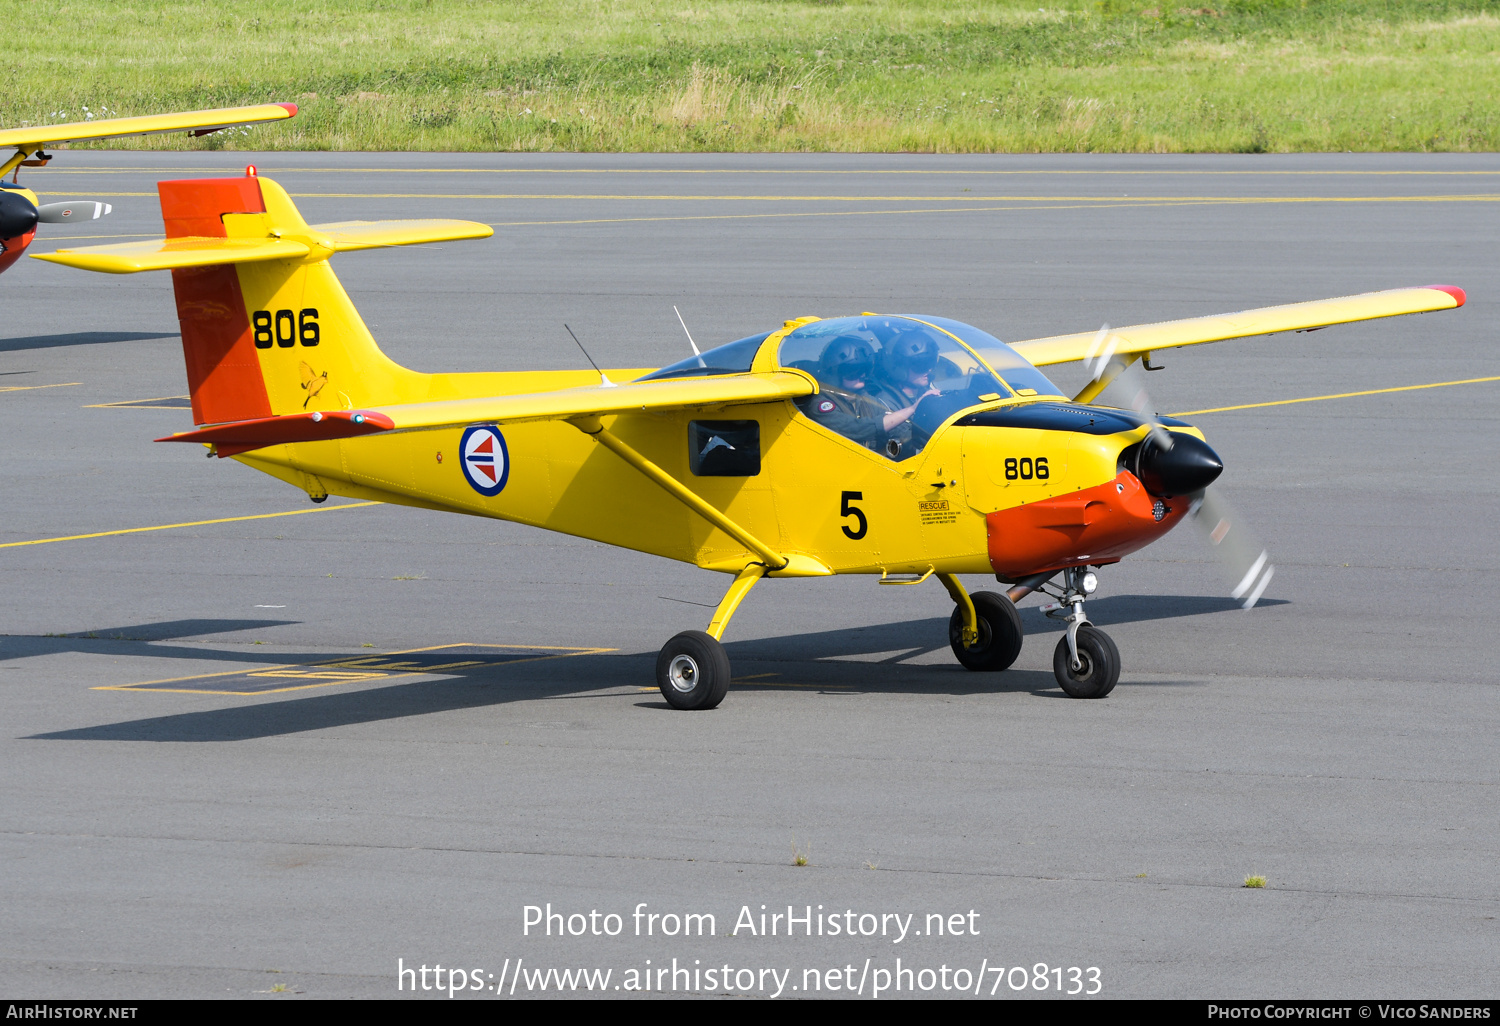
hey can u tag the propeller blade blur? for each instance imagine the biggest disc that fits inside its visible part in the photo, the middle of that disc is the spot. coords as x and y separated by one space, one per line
1246 562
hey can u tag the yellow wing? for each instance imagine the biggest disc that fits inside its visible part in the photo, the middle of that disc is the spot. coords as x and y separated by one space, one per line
563 404
1267 320
601 400
198 121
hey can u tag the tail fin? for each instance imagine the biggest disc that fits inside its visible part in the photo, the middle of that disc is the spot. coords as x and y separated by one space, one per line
267 329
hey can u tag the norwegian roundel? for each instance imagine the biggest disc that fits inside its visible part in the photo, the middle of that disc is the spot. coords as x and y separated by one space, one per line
826 406
485 458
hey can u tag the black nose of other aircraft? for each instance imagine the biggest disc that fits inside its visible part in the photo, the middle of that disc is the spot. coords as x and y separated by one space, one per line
1188 466
17 215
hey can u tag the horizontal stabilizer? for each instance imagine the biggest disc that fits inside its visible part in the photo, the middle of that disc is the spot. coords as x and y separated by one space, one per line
74 210
199 122
294 241
244 435
344 236
1268 320
166 254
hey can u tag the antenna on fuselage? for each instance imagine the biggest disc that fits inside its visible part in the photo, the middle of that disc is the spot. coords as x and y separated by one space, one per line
603 378
689 335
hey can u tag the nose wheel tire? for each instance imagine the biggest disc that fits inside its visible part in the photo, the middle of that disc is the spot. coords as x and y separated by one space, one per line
692 671
999 633
1100 669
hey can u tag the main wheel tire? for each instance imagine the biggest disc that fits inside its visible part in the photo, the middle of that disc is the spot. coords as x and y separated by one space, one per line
1101 664
692 671
999 633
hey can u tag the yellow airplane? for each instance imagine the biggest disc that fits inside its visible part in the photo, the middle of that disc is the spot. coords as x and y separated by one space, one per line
903 446
20 212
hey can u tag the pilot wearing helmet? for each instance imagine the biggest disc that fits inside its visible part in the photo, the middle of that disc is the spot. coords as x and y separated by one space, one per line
904 380
844 404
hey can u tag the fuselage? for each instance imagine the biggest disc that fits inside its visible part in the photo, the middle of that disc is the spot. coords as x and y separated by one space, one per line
989 481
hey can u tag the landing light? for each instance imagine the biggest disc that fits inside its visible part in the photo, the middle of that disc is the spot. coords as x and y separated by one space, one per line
1090 583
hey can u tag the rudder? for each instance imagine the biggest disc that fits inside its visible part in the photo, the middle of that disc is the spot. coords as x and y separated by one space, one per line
224 375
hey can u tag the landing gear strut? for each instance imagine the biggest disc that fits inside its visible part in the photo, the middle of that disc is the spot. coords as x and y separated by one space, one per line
1086 662
692 669
993 640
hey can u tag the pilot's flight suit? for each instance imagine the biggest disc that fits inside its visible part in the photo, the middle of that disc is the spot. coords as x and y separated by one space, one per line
850 414
892 396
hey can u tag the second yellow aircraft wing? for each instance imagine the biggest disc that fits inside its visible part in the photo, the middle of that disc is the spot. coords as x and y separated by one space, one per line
600 400
1267 320
200 121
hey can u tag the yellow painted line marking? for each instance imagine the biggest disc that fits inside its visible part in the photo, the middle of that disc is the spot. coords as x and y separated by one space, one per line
1142 200
1041 172
126 404
335 676
835 213
1338 395
706 197
1098 205
69 238
781 684
806 213
28 388
191 523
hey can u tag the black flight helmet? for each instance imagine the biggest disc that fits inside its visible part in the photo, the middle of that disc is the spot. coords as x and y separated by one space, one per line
847 356
911 353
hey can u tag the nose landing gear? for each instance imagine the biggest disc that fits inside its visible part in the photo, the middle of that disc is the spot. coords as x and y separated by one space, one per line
1086 662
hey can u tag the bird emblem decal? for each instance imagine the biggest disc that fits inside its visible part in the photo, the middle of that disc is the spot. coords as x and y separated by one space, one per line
312 382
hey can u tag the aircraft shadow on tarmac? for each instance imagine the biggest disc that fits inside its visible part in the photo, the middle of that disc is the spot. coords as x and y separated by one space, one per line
846 661
79 338
135 640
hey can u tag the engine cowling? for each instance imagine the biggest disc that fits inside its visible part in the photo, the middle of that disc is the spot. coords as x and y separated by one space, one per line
1184 466
17 214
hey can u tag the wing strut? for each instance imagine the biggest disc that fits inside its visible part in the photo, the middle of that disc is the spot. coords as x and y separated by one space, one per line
593 427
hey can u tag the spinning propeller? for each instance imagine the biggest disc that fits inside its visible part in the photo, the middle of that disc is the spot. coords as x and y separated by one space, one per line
1176 464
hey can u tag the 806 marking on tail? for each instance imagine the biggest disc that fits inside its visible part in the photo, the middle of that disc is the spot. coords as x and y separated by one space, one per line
303 327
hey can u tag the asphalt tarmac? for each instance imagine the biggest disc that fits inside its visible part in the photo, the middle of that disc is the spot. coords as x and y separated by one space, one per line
260 821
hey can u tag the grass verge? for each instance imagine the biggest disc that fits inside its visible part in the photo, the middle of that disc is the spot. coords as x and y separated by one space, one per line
781 75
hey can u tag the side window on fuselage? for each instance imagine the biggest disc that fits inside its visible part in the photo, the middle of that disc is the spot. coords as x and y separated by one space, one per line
724 448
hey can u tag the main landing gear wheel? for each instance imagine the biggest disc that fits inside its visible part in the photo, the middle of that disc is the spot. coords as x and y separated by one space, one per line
692 671
1100 664
999 633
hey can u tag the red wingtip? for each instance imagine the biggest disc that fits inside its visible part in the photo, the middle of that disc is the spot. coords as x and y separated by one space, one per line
290 108
1454 291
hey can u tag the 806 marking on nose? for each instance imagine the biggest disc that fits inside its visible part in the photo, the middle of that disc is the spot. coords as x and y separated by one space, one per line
284 328
1026 468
